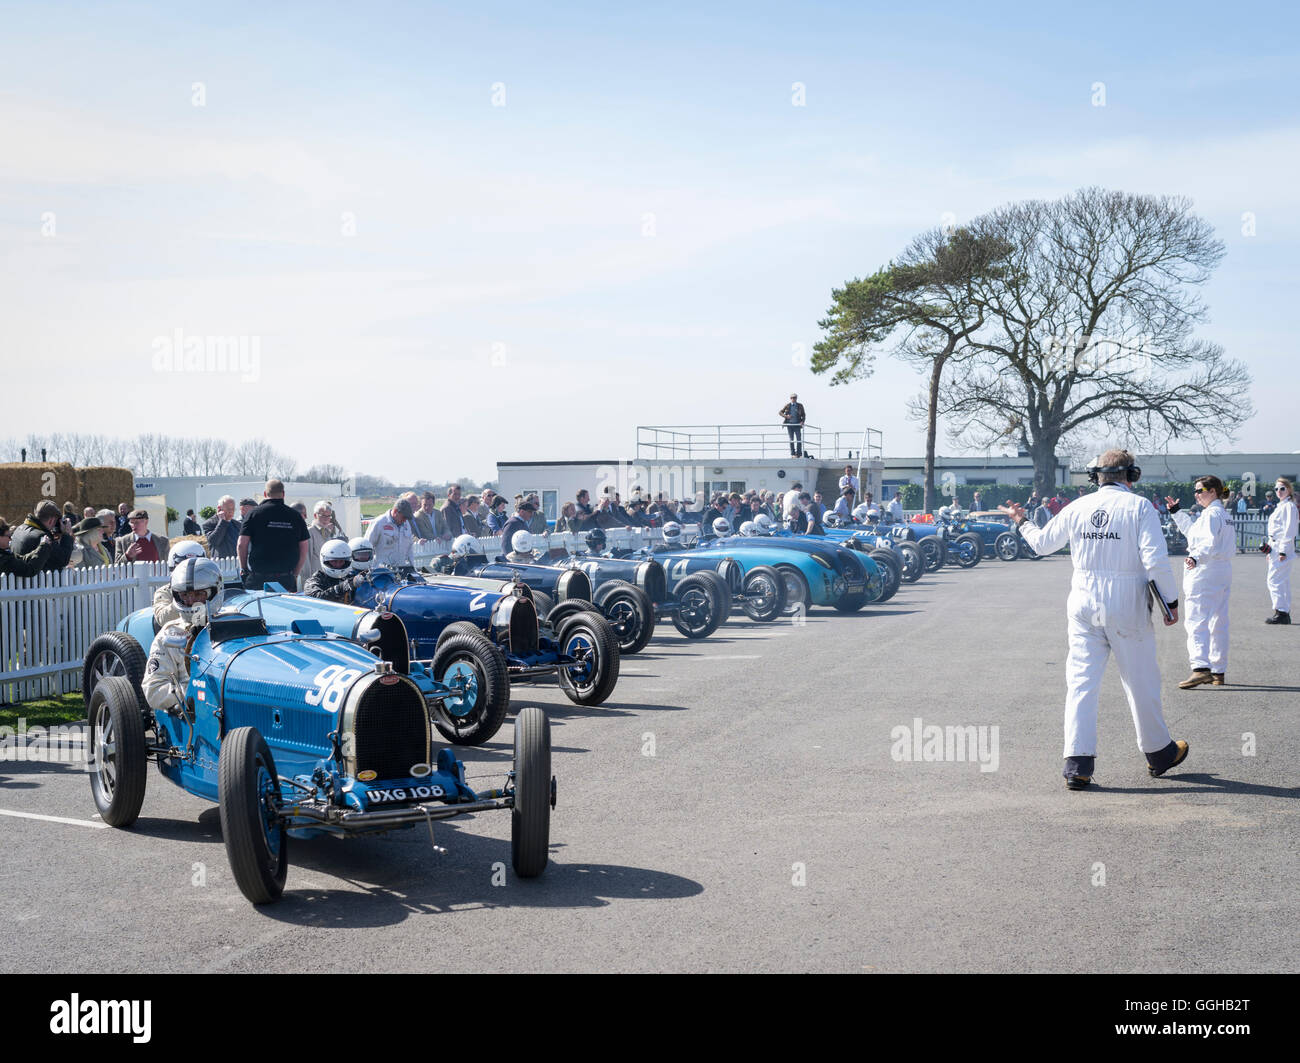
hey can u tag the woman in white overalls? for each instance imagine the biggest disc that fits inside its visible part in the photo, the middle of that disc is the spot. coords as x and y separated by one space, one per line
1211 544
1282 526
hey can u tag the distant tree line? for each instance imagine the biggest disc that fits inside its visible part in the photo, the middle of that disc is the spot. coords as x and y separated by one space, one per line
154 454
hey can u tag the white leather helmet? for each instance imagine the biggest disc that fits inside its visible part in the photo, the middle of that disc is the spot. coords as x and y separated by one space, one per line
672 532
522 542
464 545
831 519
860 511
763 524
181 551
721 527
749 528
363 554
197 574
336 558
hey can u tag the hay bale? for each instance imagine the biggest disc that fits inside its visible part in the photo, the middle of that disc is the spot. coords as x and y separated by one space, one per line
104 486
24 485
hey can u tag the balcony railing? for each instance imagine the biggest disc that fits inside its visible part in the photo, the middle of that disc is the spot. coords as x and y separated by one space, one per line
690 442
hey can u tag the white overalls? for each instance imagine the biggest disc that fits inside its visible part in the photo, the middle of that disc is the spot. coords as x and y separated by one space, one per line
1212 541
1281 537
1116 545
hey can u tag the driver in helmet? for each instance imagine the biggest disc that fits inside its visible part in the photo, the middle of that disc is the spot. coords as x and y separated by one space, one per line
720 528
335 580
164 609
596 540
197 593
522 545
748 528
764 525
672 539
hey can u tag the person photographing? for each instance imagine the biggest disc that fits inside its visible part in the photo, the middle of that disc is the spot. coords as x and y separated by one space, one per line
1117 549
1211 544
1282 527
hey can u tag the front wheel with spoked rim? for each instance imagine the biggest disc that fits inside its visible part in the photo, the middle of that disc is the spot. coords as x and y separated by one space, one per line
798 597
590 641
764 591
474 670
248 790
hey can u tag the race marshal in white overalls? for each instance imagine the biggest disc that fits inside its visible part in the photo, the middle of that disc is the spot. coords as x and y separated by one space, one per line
1117 547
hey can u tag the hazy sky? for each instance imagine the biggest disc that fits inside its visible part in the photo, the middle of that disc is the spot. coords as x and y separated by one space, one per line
644 233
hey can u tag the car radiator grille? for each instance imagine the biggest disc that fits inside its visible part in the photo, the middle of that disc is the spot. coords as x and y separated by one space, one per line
523 628
391 730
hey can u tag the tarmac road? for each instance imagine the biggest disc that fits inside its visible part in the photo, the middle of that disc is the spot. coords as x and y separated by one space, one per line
738 807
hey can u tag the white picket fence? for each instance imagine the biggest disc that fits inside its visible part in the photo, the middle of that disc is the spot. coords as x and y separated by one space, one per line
48 622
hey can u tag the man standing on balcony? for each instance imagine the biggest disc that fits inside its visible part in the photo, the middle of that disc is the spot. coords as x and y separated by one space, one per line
792 415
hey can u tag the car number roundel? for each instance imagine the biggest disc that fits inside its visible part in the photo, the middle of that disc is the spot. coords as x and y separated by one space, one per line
331 684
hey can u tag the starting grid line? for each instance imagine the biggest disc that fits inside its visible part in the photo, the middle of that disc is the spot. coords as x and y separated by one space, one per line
54 819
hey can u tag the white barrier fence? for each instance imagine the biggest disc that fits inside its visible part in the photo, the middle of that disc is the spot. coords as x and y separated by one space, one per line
48 622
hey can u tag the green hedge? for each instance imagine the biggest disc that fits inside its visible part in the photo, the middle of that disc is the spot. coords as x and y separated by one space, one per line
993 495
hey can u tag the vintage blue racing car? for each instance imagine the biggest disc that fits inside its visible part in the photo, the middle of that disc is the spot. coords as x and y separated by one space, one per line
302 732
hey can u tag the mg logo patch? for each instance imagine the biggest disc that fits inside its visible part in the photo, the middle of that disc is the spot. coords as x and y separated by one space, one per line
1100 518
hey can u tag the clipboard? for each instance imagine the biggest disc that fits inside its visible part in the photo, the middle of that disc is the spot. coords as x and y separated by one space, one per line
1159 601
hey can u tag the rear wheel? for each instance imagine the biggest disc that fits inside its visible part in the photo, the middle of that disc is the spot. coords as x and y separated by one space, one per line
764 591
248 791
117 776
592 677
114 653
1007 546
474 670
931 548
630 613
699 606
530 819
797 595
1027 551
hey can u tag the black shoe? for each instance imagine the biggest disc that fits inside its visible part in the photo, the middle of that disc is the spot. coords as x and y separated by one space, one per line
1078 772
1170 757
1279 618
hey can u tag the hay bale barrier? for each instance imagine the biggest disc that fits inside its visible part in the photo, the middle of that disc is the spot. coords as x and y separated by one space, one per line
24 485
104 487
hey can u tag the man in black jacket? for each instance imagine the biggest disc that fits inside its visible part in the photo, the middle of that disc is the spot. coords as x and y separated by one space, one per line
28 564
519 522
222 529
792 416
43 524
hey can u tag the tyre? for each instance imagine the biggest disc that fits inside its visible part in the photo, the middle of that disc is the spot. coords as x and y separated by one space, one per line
114 653
891 571
931 548
967 550
797 595
724 587
913 564
1007 546
764 590
590 639
559 613
248 791
544 603
1027 551
630 613
699 606
530 819
116 743
471 664
461 627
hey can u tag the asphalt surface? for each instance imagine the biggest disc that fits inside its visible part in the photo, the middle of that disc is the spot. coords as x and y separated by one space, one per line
772 829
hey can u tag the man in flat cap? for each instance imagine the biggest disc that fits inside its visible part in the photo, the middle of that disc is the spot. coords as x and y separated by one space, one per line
140 544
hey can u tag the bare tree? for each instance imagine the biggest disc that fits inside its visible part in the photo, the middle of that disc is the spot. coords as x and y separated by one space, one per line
1090 331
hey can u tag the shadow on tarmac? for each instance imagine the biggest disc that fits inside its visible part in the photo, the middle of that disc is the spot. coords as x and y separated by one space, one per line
1208 783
